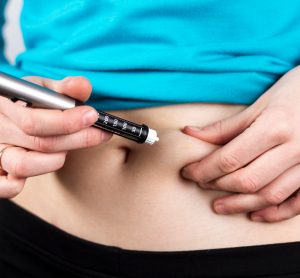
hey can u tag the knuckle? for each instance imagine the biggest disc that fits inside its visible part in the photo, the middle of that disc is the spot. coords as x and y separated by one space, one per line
27 124
19 167
274 197
228 163
67 125
281 133
37 142
247 184
44 144
89 138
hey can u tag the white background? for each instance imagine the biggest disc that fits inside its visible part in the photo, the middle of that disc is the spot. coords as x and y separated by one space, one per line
11 31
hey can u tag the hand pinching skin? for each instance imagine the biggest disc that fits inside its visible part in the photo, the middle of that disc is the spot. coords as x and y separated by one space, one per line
260 156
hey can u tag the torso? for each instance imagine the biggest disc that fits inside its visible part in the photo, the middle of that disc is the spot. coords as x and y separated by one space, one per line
132 195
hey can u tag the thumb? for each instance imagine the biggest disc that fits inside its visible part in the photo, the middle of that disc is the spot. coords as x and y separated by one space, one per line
77 87
222 131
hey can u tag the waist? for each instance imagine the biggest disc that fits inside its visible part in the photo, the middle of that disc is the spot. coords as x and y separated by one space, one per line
129 195
113 90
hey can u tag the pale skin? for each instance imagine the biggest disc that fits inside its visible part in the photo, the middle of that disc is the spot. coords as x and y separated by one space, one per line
40 139
259 160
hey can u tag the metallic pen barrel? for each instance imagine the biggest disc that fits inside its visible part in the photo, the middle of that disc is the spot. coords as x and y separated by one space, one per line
41 97
35 95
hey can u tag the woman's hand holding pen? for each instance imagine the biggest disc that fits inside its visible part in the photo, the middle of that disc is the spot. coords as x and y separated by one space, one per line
260 160
36 140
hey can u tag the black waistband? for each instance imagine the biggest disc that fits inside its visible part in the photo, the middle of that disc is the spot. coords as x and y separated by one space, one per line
246 261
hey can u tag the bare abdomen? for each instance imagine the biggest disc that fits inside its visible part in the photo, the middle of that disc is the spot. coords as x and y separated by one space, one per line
132 196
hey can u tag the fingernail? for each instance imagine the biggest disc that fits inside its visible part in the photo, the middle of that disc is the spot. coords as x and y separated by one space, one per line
220 208
184 172
204 185
257 218
90 117
106 136
193 128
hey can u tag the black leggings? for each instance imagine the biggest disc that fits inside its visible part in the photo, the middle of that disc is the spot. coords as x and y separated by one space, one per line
31 247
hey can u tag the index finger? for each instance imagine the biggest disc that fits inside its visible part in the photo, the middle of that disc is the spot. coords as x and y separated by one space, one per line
240 151
48 122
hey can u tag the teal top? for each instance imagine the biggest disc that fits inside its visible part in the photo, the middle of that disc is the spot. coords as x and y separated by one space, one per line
140 53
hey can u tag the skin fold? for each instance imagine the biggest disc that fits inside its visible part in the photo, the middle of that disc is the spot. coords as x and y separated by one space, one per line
259 160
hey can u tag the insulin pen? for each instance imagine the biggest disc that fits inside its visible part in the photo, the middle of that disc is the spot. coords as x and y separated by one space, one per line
40 97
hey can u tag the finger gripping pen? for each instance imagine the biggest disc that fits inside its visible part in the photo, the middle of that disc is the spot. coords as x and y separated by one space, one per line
41 97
